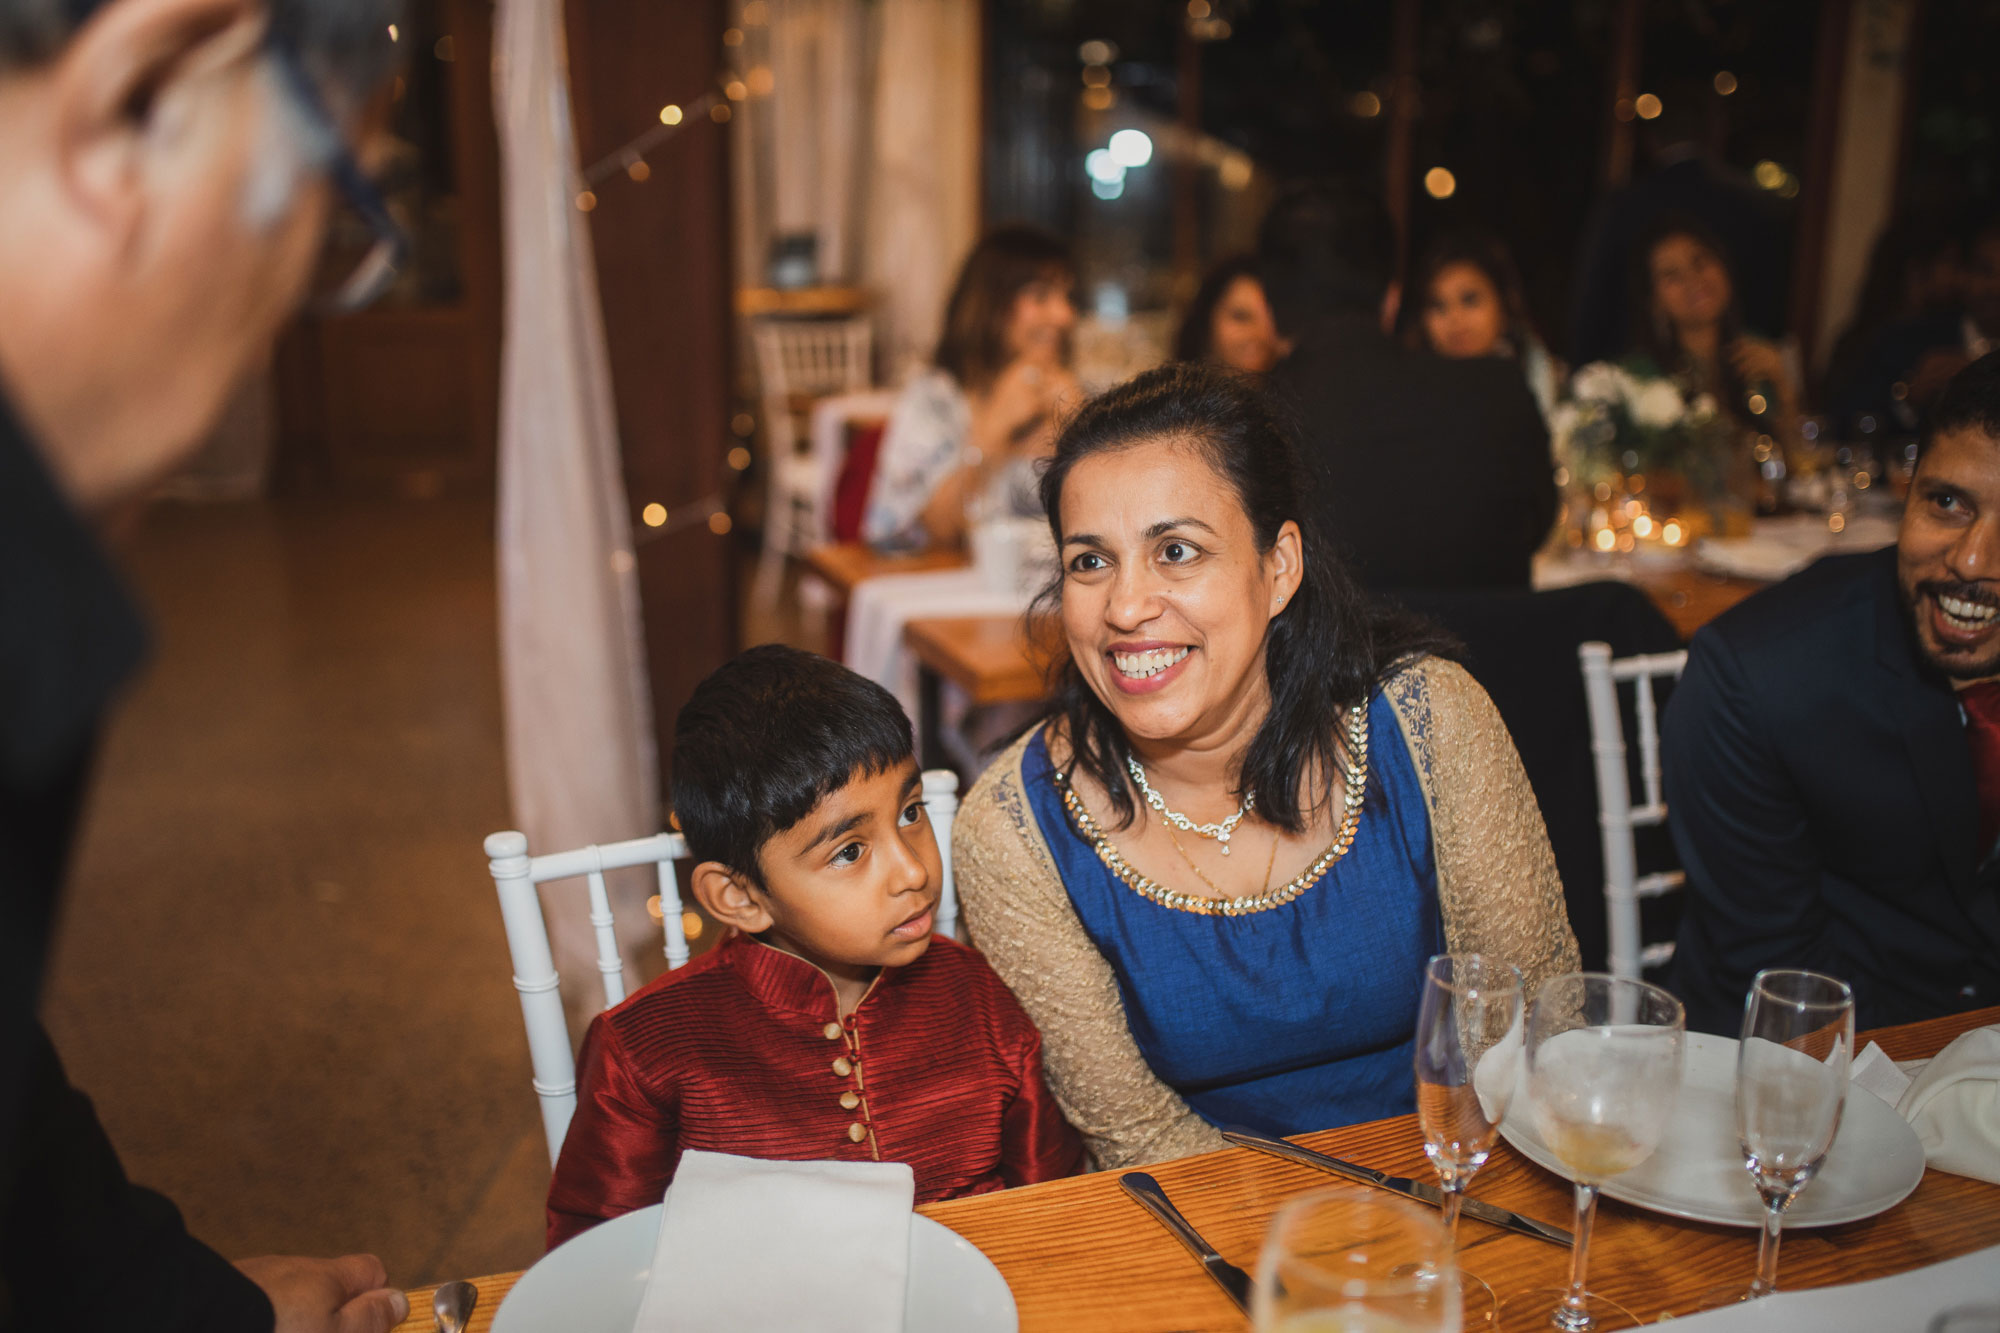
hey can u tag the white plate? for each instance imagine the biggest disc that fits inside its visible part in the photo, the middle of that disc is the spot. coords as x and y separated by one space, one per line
1697 1172
593 1283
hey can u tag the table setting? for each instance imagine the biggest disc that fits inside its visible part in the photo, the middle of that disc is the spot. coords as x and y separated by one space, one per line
1647 1116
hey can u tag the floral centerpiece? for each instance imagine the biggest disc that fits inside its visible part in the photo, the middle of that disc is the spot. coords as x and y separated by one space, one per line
1635 450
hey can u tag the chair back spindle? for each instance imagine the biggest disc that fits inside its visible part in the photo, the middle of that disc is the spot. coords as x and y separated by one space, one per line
1617 817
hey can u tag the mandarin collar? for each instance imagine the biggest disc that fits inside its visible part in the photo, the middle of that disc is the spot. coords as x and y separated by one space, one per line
70 634
789 983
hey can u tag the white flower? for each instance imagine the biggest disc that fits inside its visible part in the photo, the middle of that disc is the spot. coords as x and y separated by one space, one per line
1598 383
1657 404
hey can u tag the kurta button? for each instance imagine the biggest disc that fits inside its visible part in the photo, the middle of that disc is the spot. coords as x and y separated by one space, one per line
832 1031
843 1066
850 1100
857 1132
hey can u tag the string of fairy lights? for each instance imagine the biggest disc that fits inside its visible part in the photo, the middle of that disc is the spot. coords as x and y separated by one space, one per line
731 85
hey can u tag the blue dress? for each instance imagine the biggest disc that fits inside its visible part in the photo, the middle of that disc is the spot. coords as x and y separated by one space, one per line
1297 1018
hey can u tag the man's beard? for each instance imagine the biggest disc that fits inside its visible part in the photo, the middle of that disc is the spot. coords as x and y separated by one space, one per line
1919 602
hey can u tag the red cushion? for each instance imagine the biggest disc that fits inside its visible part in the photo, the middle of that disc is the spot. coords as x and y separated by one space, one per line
857 473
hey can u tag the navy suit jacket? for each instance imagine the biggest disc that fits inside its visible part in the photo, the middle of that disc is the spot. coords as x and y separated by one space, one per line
1821 794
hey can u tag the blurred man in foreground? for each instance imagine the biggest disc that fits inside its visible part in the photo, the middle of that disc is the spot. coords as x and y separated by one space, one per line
167 168
1832 757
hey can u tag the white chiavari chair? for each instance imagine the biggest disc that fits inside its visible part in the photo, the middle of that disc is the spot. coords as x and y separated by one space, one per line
517 877
798 362
1617 816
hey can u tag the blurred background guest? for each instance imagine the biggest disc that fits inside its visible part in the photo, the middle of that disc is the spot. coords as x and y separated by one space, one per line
1691 327
1469 302
965 433
1687 179
1433 473
1230 322
1952 319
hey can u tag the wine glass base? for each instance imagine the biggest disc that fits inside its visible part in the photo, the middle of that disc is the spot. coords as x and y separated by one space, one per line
1480 1308
1717 1297
1534 1311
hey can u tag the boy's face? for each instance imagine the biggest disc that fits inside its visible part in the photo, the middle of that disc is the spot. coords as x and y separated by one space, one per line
853 886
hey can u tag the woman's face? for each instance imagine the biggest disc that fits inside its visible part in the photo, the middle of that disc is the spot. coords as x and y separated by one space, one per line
1241 334
1462 314
1690 283
1165 596
1039 322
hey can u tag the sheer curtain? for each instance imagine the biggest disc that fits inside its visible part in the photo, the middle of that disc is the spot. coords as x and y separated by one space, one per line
869 139
580 757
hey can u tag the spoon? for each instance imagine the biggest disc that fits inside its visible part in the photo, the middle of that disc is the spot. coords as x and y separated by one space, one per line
453 1306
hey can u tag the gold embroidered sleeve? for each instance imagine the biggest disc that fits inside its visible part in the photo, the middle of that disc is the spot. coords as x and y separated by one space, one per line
1497 883
1018 914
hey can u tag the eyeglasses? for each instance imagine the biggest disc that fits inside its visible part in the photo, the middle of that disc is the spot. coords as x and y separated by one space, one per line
372 275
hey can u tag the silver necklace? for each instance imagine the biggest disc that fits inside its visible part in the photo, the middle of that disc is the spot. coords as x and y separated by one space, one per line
1219 832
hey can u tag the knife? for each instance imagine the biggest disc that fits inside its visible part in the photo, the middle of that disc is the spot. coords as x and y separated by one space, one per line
1421 1190
1233 1280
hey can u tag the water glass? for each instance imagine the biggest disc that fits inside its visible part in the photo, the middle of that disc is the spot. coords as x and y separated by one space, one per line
1604 1061
1791 1083
1349 1260
1468 1053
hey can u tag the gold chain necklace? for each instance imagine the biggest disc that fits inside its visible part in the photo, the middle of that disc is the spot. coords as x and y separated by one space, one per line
1269 864
1343 838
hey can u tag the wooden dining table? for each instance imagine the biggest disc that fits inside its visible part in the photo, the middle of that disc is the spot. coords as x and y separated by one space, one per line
1080 1256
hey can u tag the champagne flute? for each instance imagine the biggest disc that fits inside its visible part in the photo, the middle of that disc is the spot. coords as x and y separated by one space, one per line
1467 1047
1791 1084
1604 1065
1343 1259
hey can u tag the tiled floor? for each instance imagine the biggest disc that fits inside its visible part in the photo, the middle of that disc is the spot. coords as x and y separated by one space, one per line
281 973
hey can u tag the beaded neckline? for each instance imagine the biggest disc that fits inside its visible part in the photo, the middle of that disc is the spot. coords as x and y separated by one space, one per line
1145 887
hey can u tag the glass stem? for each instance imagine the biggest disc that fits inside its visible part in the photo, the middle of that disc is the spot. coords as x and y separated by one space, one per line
1767 1248
1453 1200
1573 1316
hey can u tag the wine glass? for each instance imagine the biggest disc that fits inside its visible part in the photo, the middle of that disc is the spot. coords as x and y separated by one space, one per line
1791 1083
1467 1049
1348 1260
1604 1066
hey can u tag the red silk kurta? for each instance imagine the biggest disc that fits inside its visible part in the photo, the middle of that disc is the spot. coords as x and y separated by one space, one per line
741 1051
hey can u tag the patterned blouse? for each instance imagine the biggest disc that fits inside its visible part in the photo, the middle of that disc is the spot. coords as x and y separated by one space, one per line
924 442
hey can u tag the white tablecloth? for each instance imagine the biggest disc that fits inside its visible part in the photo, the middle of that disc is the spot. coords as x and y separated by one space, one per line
879 608
1905 1303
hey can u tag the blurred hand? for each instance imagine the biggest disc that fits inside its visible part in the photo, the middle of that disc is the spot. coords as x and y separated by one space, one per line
1757 361
345 1295
1019 395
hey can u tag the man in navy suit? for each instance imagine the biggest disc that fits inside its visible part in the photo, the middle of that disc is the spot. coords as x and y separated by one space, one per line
1832 757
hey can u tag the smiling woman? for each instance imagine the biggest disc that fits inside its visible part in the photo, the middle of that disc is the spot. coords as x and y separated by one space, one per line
1258 803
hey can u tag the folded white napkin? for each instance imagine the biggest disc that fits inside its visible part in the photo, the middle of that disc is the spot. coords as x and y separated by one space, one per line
1954 1106
752 1245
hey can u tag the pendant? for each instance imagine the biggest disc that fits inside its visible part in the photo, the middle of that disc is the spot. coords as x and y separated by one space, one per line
1223 838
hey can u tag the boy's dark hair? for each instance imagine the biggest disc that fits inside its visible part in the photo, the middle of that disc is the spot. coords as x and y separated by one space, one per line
765 738
1971 399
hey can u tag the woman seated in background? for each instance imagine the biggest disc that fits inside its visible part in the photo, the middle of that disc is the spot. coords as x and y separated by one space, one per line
1256 806
1470 303
966 433
1230 322
1690 329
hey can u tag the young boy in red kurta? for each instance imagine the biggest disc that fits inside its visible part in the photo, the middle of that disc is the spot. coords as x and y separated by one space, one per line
830 1023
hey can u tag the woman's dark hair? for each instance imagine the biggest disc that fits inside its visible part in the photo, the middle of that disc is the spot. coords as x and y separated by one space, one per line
1485 252
1330 648
1009 258
1655 334
1196 339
